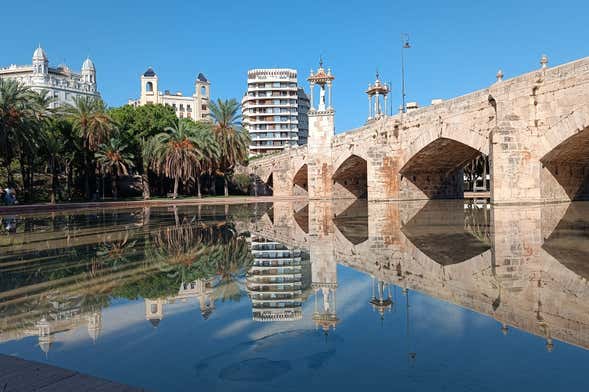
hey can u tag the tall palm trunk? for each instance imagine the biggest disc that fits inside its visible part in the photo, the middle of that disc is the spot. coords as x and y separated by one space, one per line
198 192
145 185
115 190
53 180
213 188
23 176
176 181
8 173
69 184
87 174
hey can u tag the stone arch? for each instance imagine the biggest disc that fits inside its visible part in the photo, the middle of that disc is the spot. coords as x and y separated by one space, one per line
149 86
565 167
436 170
350 179
300 181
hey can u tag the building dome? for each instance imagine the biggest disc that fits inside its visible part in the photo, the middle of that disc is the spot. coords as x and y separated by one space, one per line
88 65
39 54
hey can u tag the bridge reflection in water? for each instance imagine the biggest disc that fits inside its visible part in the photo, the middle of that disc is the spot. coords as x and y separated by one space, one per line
525 266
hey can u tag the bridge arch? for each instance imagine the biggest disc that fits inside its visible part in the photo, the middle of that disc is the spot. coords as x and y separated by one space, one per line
300 181
565 167
436 169
350 178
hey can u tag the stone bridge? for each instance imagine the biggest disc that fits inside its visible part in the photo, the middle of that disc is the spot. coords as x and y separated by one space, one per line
516 264
533 129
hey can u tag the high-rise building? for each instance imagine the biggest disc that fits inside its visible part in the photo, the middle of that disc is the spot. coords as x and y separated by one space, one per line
276 281
61 83
194 107
274 110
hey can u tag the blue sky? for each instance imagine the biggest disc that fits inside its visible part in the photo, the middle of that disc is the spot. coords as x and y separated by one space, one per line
457 45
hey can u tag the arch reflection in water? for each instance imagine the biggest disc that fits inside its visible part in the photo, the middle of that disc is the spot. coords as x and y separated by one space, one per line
524 266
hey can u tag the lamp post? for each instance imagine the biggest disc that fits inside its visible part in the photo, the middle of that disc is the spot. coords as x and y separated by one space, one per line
404 45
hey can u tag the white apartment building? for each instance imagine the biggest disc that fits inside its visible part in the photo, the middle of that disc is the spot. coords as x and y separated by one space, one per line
276 281
274 110
60 82
194 107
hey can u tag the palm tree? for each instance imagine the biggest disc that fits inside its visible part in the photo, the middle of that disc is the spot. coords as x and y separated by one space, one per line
113 159
53 145
180 152
210 152
92 124
149 151
232 139
16 120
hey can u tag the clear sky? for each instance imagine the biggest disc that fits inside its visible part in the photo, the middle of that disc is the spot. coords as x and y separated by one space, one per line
457 46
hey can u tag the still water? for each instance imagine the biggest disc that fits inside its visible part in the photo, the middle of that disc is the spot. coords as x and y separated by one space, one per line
416 296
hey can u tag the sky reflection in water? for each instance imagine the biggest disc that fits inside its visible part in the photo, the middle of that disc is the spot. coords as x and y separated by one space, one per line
411 296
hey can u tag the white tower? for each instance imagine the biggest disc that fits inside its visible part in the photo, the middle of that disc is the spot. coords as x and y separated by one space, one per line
149 87
89 74
377 99
40 64
321 131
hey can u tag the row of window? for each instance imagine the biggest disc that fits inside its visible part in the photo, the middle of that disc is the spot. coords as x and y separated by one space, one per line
272 134
274 143
270 110
272 94
272 85
271 127
188 108
275 102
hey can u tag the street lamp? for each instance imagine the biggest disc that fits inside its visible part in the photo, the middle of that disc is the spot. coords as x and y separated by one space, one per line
404 45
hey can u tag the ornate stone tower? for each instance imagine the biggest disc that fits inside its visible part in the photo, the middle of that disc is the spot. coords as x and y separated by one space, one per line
94 325
377 107
149 87
323 264
321 131
202 91
40 64
89 73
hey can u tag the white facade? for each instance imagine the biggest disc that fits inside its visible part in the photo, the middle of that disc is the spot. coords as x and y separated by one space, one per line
274 110
60 82
195 107
275 282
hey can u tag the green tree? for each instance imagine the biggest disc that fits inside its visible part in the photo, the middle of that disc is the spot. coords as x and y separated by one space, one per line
114 160
93 125
181 151
232 139
17 119
209 148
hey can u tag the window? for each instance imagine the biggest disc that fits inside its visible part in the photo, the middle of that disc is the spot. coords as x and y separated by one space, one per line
188 108
181 107
203 107
149 87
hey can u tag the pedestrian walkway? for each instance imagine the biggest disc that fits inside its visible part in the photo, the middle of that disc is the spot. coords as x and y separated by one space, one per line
19 375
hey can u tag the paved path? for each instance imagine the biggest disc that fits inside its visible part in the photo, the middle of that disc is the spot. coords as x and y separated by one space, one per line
19 375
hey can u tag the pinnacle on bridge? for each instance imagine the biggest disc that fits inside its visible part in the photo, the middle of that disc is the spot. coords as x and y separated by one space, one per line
499 75
544 61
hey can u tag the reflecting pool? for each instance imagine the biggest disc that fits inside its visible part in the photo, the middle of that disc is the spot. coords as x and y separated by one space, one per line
412 296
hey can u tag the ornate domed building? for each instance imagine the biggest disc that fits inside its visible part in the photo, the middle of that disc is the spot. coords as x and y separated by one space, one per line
60 82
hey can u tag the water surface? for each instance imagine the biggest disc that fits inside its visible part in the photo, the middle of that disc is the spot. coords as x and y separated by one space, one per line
287 296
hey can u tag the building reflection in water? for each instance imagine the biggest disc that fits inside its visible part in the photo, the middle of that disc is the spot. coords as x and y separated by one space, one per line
276 281
201 289
524 266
